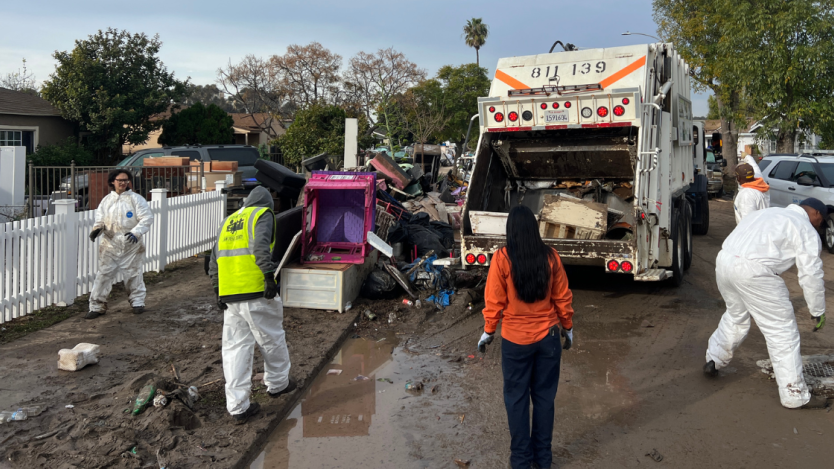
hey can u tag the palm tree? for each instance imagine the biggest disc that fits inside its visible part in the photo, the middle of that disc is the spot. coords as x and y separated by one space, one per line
476 32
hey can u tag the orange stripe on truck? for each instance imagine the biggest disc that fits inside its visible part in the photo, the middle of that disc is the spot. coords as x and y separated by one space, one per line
515 84
623 73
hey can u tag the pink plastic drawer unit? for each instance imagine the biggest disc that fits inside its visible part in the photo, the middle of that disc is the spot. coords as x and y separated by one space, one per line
339 211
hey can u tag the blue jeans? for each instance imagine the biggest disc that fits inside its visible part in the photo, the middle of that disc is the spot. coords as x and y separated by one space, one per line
531 372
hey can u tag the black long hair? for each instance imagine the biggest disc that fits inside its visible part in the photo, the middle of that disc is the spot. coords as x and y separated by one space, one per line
529 257
111 178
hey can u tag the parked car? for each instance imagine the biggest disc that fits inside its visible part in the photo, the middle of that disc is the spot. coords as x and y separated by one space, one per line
715 178
793 178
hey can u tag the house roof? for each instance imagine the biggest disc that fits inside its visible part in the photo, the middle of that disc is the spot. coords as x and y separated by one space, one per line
246 121
25 104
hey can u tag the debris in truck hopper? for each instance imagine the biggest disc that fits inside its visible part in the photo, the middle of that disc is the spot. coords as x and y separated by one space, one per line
568 218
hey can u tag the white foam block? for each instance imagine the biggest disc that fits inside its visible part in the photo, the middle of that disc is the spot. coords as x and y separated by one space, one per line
78 357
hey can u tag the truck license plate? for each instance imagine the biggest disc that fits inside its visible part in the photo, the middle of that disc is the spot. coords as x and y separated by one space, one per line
555 115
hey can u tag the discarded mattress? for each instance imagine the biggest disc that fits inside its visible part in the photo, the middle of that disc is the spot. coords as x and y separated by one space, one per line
280 174
384 164
280 189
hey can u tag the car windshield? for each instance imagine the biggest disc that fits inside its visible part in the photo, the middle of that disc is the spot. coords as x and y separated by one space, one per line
124 161
244 156
710 157
828 171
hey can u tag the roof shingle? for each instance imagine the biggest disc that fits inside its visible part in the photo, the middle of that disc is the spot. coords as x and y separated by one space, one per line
24 104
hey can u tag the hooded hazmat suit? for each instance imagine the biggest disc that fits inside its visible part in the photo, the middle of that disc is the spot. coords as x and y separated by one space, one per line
250 318
751 197
118 215
765 244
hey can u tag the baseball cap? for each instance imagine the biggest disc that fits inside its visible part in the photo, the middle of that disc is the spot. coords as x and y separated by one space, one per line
745 172
817 205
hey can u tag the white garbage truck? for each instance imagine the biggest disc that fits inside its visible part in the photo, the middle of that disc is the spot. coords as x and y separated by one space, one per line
602 146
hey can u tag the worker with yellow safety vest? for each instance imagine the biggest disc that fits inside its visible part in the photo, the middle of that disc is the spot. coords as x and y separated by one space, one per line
243 273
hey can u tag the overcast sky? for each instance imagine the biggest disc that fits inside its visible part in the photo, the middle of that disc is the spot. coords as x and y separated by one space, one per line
200 36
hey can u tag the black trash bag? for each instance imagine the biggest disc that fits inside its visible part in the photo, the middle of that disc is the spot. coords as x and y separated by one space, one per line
446 232
380 285
427 239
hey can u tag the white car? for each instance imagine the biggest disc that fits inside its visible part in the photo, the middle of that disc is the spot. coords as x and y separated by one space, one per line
794 178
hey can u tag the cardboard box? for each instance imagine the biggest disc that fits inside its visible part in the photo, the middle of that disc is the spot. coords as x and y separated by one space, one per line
233 179
224 166
195 167
167 161
571 218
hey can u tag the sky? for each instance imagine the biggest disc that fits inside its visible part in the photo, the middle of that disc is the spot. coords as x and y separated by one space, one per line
201 36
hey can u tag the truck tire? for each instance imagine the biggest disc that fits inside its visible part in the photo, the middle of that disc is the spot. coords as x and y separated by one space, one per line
678 243
703 227
687 234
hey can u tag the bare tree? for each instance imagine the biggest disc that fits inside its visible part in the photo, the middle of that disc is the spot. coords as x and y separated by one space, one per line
423 115
373 80
22 80
309 74
255 85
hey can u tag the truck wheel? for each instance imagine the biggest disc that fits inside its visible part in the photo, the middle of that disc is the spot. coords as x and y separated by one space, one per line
687 235
678 243
703 227
828 238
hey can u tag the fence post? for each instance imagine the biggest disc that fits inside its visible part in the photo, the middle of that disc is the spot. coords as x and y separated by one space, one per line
30 204
161 195
219 186
69 272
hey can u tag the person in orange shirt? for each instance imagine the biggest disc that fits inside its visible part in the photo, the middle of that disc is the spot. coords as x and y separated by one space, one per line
527 288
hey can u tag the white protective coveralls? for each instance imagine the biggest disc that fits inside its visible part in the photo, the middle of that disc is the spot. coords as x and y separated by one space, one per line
748 200
254 320
765 244
119 214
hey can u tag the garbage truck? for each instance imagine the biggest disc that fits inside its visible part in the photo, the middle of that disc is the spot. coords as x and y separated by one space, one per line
602 146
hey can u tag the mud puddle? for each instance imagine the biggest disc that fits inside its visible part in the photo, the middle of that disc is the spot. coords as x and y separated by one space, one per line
357 412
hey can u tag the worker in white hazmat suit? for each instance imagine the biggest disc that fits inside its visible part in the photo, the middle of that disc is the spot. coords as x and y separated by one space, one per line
765 244
243 272
753 193
757 172
123 217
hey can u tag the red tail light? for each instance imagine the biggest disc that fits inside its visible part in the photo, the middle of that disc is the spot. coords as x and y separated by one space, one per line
613 265
513 116
567 104
602 111
619 111
482 259
470 258
499 117
627 266
556 105
544 106
492 109
626 100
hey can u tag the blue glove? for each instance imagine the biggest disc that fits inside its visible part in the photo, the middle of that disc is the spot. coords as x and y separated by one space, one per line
568 335
486 339
132 238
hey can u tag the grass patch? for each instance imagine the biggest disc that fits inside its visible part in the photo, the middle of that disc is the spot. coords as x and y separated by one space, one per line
40 319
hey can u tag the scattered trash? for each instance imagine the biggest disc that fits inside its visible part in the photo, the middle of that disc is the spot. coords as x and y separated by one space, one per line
469 307
381 340
418 304
471 356
348 305
385 380
462 463
160 459
393 317
78 357
655 454
193 394
361 378
462 416
408 302
145 396
441 298
8 416
334 371
795 432
371 316
160 401
413 386
69 406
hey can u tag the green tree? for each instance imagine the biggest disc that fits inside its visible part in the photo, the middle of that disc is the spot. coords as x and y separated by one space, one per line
475 34
61 154
782 57
712 104
320 128
461 87
198 124
112 83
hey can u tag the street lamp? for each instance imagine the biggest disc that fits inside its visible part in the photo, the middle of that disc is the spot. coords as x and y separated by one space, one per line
629 33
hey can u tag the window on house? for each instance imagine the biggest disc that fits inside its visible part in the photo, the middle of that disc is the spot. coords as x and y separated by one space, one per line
773 146
11 138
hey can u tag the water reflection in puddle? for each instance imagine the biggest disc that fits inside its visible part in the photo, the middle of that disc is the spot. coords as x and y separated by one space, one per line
345 422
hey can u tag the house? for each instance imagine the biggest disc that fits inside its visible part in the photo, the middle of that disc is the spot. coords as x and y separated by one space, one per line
805 141
245 126
28 120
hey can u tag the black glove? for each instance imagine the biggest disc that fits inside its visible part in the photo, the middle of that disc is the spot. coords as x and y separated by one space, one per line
94 234
568 335
220 304
132 238
270 288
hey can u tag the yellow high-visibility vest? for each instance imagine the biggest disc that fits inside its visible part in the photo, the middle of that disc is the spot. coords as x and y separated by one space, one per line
236 268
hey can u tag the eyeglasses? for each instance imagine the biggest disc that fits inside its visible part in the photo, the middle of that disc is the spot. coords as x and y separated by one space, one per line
122 180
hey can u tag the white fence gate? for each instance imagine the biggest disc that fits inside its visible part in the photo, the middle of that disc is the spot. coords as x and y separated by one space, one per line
50 260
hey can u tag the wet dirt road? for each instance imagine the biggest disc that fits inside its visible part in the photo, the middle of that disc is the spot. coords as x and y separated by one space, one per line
632 384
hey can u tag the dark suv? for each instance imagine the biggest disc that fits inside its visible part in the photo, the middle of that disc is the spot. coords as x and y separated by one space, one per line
245 155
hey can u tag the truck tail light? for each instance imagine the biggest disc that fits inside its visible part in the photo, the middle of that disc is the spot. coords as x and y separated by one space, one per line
602 111
492 109
482 258
470 258
613 265
627 266
513 116
619 111
499 117
567 104
544 105
626 101
556 105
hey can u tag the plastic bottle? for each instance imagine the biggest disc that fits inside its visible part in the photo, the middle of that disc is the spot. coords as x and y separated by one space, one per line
9 415
34 409
145 396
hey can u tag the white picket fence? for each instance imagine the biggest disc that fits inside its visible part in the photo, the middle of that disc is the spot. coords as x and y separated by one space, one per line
50 260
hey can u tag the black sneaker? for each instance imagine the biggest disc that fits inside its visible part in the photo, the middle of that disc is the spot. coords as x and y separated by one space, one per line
291 386
709 369
253 409
138 309
93 314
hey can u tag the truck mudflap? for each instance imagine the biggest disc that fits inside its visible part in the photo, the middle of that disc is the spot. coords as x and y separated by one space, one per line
571 251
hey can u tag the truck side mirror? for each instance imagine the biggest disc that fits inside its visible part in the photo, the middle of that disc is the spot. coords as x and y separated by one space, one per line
805 181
